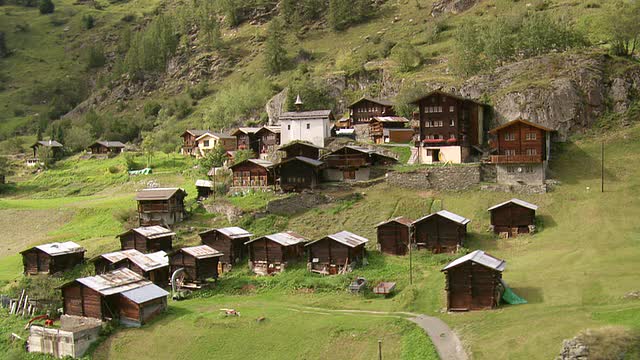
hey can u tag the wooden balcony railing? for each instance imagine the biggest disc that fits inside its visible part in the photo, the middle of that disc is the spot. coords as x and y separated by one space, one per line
511 159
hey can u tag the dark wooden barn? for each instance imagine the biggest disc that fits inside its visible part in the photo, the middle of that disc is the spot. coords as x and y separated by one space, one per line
52 258
147 239
204 188
230 241
189 143
161 206
353 163
253 173
200 263
268 138
247 139
299 173
441 232
513 217
271 253
153 266
337 253
365 109
300 148
474 282
394 236
120 294
106 147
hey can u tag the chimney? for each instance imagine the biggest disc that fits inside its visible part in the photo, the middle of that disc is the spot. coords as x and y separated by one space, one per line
298 103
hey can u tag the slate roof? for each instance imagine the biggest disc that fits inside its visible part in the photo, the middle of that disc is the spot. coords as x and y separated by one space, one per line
145 293
157 194
233 232
299 143
479 257
47 143
273 129
246 130
304 159
109 143
196 133
263 163
447 215
345 237
286 238
517 202
400 219
215 135
204 183
382 102
56 249
307 115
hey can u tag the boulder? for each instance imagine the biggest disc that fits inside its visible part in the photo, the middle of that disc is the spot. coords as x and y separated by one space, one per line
451 6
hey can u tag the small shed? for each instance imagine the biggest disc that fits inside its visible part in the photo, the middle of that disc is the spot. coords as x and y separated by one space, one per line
268 138
52 258
120 294
474 282
253 173
299 173
103 147
230 241
300 148
200 263
272 253
337 253
353 163
205 188
441 232
394 236
147 239
161 206
514 217
154 266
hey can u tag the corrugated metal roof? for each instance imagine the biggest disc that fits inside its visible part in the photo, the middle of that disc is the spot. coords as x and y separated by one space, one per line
114 282
479 257
202 251
153 232
47 143
204 183
273 129
345 237
157 194
145 293
147 262
517 202
286 238
56 249
235 232
307 115
391 119
447 215
400 219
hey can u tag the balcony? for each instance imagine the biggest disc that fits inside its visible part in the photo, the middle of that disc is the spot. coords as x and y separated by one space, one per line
345 161
515 159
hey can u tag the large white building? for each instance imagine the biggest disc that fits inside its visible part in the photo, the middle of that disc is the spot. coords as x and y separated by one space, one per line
312 126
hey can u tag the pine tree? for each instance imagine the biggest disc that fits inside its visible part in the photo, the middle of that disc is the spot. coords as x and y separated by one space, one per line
46 7
275 53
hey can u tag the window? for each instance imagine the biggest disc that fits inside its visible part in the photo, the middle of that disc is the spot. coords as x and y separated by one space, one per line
510 152
427 124
308 126
206 143
452 136
531 136
439 109
441 123
452 108
452 122
288 127
509 136
532 152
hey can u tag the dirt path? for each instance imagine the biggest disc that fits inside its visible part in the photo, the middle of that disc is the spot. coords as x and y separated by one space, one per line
446 342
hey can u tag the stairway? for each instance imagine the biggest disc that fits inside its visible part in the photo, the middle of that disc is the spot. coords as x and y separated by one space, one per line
414 156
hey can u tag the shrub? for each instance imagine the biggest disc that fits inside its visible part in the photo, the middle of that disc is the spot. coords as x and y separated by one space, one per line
151 108
46 7
88 21
95 57
407 56
199 91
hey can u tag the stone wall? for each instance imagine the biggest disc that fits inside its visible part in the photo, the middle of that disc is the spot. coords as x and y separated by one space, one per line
488 173
447 178
521 174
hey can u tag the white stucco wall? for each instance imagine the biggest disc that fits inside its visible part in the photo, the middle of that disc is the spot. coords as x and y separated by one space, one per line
292 130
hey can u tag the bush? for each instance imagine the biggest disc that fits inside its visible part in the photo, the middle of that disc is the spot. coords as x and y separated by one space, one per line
151 108
46 7
233 103
95 57
180 108
88 22
407 56
199 91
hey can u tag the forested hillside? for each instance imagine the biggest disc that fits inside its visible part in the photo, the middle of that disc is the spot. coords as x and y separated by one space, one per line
81 70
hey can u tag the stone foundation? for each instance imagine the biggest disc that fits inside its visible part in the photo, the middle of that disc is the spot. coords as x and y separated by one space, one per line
443 178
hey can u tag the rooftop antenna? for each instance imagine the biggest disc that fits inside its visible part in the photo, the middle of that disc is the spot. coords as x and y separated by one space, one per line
298 103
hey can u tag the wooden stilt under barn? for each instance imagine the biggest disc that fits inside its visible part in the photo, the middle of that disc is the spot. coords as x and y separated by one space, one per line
337 253
200 263
271 254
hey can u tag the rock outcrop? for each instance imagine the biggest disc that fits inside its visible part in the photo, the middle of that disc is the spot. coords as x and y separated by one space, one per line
452 6
275 106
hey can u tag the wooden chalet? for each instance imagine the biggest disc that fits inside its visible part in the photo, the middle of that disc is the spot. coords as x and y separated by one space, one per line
204 188
299 173
386 129
189 143
200 263
337 253
440 232
161 206
268 138
119 294
147 239
54 147
272 253
106 147
353 163
474 282
52 258
513 217
451 127
230 241
365 109
253 173
394 236
153 266
301 148
247 139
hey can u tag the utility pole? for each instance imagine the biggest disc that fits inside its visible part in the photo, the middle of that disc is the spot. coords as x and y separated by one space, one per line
379 349
410 257
602 167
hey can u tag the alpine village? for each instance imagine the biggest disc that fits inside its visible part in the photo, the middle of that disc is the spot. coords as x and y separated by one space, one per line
320 179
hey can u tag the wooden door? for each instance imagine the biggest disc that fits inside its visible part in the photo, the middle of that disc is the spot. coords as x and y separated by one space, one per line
349 174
